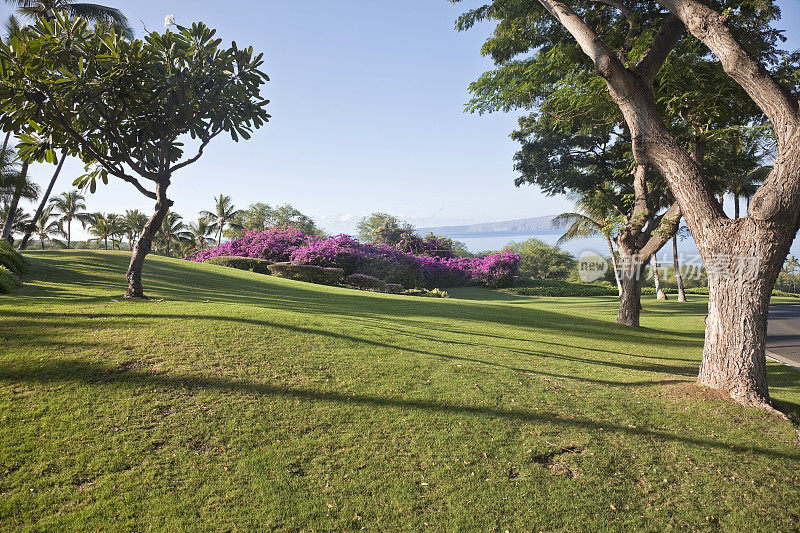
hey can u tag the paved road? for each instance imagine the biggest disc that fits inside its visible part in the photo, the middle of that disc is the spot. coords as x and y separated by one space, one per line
783 334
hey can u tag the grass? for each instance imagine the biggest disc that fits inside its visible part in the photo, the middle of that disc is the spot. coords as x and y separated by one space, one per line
243 402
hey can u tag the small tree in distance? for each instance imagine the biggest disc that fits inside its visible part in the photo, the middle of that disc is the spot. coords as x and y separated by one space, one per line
125 107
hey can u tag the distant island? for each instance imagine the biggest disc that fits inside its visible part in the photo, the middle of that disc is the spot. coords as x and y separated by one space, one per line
508 228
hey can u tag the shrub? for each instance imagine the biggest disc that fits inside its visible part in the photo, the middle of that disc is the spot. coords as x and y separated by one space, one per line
540 260
432 293
377 260
10 258
8 281
307 273
395 288
365 282
252 264
274 245
557 288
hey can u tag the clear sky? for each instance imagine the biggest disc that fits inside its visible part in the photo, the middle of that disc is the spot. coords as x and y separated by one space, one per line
367 103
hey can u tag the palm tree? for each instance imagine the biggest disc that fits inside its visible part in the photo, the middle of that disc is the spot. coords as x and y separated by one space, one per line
683 232
201 234
660 294
70 205
43 201
590 219
102 16
133 222
15 185
790 267
46 226
103 227
745 185
18 220
172 229
223 215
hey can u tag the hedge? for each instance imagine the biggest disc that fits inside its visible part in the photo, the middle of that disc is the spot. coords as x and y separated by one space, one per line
365 282
10 258
307 273
8 281
251 264
555 288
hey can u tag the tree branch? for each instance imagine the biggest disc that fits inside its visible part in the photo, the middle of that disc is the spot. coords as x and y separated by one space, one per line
670 222
665 41
652 142
199 153
709 27
605 61
133 181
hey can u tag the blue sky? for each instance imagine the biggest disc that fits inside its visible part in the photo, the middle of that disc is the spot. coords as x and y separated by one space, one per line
367 103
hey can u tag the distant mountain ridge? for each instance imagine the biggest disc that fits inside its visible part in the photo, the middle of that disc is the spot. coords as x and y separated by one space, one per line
507 228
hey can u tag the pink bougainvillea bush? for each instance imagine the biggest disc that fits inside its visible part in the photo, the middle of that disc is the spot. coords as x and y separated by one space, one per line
377 260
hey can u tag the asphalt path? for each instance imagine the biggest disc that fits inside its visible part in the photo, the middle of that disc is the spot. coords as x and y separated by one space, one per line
783 334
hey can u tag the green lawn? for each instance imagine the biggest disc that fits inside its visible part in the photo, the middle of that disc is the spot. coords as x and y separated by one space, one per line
240 402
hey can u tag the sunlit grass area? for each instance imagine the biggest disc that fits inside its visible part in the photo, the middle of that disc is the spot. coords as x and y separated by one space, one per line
240 401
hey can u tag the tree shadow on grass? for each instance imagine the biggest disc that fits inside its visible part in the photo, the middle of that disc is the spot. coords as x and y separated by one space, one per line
23 321
178 280
99 375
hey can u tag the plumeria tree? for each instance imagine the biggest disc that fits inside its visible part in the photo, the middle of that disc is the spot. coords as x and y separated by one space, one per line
135 110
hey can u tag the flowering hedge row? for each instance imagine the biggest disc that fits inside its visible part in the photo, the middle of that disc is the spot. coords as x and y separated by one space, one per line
377 260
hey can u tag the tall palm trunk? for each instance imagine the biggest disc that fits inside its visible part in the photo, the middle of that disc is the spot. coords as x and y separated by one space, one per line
678 277
614 265
656 278
69 232
42 204
12 208
735 206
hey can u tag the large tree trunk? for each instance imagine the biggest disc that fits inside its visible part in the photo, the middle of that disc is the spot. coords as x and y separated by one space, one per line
676 263
660 294
742 270
145 242
630 306
42 204
12 207
735 206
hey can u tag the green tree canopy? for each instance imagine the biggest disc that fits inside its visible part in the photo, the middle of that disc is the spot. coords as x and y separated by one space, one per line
137 110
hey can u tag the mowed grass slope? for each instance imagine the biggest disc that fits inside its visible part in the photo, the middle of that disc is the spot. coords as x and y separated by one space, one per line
241 402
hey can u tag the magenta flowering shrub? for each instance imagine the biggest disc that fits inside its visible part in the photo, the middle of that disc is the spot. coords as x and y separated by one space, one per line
377 260
274 244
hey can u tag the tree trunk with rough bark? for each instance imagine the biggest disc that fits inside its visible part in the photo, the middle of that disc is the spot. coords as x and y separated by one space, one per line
630 305
676 263
660 294
145 242
742 270
42 204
